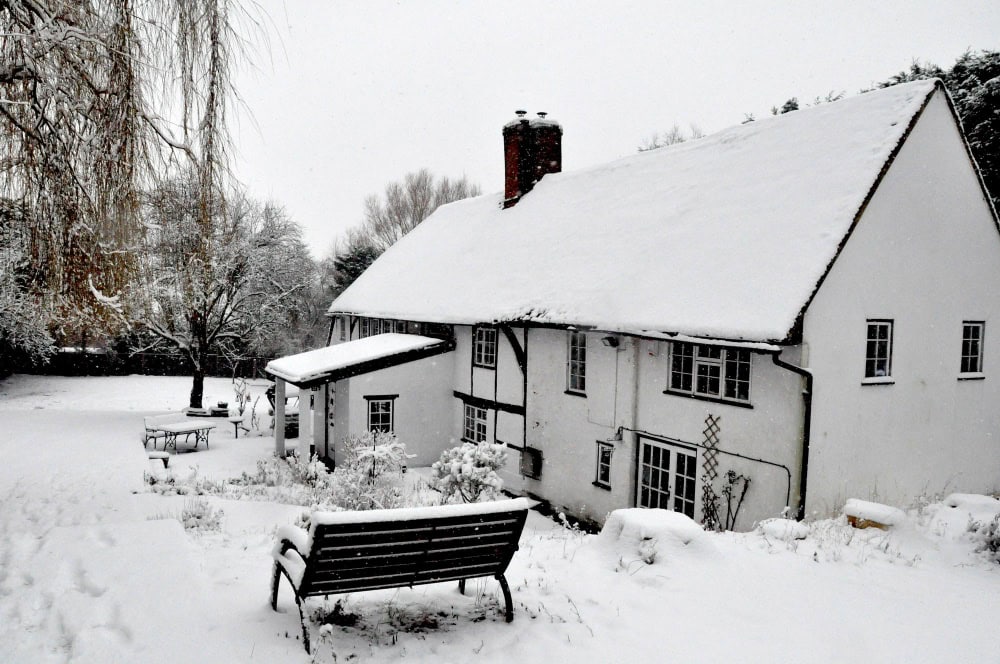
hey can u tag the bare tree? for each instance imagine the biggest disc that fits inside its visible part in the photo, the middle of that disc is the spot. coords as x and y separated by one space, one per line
389 217
96 98
405 204
241 298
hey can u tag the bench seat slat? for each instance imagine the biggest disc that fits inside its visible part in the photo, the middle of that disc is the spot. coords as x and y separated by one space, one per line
382 560
452 561
401 580
360 549
391 531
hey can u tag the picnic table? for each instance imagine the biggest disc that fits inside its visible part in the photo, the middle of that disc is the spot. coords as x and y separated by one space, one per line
199 430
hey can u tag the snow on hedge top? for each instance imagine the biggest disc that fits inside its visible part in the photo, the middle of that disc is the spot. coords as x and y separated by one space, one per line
723 237
314 364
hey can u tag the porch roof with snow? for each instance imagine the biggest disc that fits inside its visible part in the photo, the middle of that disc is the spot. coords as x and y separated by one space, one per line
724 237
353 358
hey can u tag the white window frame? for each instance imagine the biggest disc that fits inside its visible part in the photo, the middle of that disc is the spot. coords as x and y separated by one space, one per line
484 346
605 452
475 429
972 348
691 368
576 362
373 413
878 364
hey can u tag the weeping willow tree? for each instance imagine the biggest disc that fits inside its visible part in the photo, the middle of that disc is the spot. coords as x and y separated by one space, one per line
98 100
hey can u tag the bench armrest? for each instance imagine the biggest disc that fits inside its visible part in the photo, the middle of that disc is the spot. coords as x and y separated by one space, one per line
293 537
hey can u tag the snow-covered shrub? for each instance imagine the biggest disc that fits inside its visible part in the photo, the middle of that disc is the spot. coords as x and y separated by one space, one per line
370 475
988 535
199 515
469 472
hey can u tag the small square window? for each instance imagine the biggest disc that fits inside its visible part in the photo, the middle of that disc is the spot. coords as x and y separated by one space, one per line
972 346
484 352
475 424
604 454
380 412
878 349
576 363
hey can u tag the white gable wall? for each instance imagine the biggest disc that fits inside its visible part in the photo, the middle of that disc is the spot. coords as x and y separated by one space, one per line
926 254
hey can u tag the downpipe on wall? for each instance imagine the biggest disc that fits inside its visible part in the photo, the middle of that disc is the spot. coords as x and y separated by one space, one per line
806 426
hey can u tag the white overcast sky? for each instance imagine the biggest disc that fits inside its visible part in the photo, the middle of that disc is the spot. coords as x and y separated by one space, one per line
355 94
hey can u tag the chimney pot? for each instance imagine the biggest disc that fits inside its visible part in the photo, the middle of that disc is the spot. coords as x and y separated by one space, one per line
542 114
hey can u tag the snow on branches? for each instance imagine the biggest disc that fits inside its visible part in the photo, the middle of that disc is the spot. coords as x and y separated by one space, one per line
469 472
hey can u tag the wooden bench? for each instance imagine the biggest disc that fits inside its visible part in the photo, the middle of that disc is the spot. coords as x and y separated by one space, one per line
352 551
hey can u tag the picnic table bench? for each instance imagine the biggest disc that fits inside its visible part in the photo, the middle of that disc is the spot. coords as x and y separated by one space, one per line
353 551
168 427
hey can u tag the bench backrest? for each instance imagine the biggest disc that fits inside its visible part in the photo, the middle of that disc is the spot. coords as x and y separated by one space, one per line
429 545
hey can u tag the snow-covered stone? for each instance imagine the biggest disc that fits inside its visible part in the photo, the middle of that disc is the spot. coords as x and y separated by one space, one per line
877 513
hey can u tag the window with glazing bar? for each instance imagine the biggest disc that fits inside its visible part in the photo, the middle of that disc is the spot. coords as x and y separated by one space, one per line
972 346
484 352
878 349
576 363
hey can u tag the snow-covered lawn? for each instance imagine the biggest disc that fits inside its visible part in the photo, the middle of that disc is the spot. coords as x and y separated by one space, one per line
96 568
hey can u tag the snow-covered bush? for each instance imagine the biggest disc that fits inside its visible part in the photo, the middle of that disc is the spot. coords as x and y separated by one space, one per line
370 474
469 472
988 535
199 515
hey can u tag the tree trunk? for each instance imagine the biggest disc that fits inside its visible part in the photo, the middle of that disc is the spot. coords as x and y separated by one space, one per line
197 387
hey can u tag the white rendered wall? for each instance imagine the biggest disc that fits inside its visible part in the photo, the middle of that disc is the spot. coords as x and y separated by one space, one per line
625 387
926 253
566 427
770 430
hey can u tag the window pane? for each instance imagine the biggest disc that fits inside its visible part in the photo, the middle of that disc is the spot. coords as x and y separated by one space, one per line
737 374
708 379
681 366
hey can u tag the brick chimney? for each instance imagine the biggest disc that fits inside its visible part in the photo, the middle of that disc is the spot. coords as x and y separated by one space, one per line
532 148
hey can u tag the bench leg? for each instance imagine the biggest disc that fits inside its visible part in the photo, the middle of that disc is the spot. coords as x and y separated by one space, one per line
275 582
506 597
461 586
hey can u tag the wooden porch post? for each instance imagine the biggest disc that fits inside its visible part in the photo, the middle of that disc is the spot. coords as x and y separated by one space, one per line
279 418
305 420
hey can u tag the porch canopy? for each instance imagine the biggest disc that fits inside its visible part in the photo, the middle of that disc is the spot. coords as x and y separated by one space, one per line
353 358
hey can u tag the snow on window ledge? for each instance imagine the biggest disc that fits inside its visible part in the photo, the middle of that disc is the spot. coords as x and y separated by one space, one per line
975 375
879 380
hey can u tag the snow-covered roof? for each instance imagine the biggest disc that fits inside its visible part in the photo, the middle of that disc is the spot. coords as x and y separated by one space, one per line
724 237
354 358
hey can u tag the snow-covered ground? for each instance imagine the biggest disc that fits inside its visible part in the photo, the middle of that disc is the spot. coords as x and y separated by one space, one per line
96 568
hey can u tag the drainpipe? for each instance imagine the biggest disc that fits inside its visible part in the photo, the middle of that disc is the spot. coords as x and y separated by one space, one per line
806 426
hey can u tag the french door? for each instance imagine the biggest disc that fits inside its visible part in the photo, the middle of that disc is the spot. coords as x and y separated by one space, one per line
667 476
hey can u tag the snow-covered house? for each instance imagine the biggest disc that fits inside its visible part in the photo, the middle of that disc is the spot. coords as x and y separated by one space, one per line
804 300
